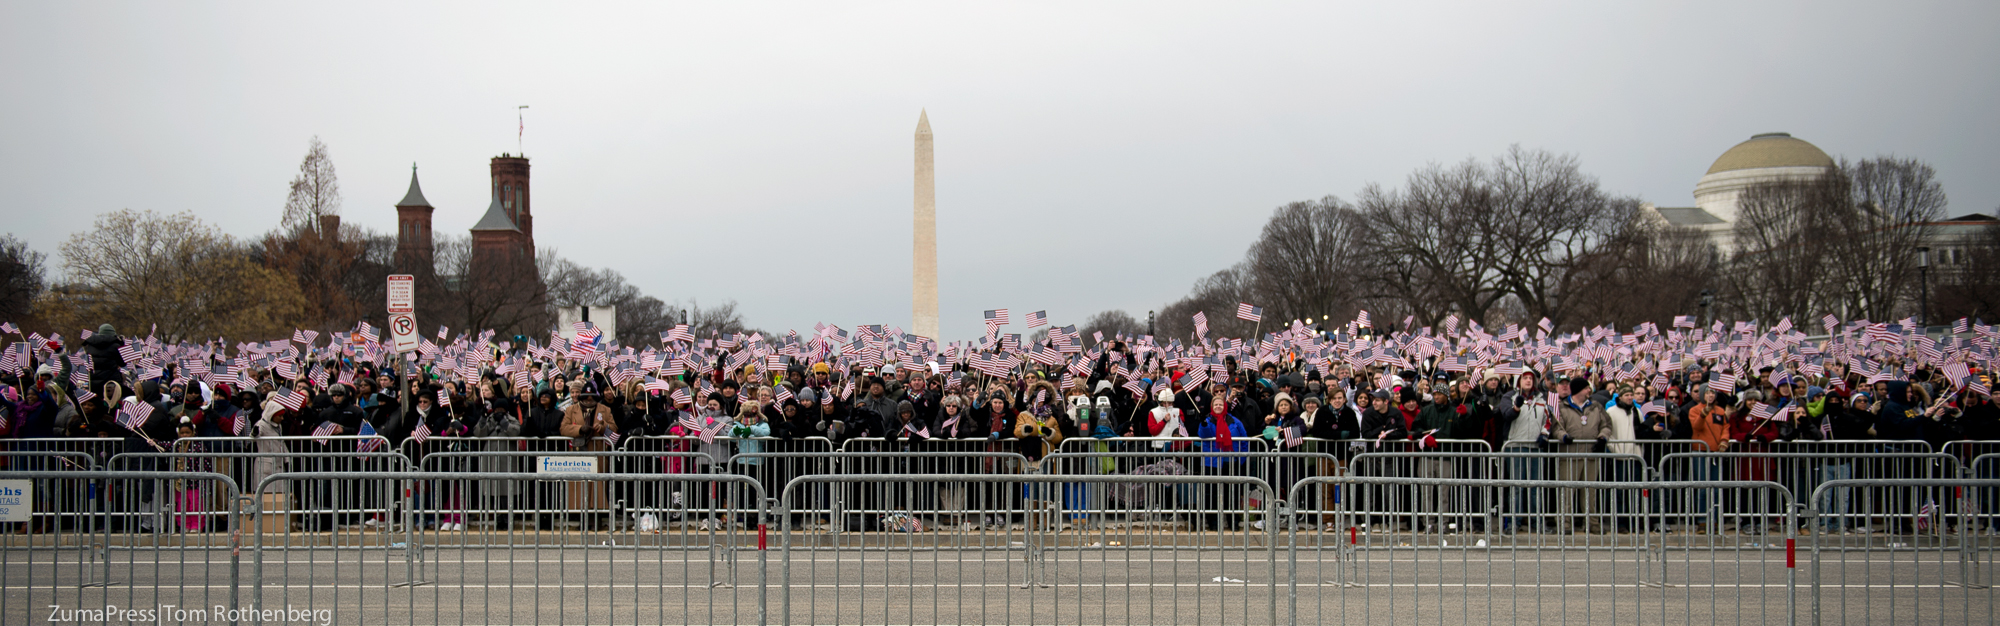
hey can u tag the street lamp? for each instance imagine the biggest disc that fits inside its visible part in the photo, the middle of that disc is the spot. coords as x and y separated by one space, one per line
1924 285
1707 300
1149 322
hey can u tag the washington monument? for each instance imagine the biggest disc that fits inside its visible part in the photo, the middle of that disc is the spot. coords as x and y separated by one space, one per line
923 256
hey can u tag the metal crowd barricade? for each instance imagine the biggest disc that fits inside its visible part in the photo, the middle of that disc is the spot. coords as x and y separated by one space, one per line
1932 562
825 507
556 504
50 508
1425 509
374 506
1028 567
1165 444
1968 451
1803 472
166 560
1354 573
100 449
472 572
1097 504
1650 449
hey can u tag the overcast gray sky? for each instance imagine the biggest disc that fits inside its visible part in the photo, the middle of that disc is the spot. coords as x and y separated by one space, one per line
1090 156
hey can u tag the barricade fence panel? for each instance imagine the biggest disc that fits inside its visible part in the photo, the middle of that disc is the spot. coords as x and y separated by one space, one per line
153 546
464 550
1803 472
1614 565
1094 502
824 506
1912 552
1004 548
906 536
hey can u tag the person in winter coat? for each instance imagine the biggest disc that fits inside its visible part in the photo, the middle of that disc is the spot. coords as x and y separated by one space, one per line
1622 415
105 360
1446 417
1582 426
1165 420
1383 421
1221 429
269 427
588 420
1037 436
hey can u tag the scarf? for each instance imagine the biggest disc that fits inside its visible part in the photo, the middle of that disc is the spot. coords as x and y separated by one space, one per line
1223 439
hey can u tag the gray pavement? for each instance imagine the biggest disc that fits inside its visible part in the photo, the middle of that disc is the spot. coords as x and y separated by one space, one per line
875 578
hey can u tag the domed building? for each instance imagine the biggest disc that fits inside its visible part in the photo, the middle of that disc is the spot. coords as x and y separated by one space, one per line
1764 158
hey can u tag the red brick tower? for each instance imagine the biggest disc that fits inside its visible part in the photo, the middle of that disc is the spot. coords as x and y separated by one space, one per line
510 185
413 229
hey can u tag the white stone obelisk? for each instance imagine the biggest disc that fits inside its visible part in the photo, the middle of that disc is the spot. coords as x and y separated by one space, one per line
923 258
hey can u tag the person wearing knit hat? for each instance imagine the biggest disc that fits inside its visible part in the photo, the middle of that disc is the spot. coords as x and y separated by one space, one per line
1582 426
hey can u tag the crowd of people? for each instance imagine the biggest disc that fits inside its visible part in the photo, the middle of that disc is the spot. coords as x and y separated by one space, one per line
1732 386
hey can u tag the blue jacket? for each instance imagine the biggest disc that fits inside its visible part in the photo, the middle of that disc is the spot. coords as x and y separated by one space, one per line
1236 434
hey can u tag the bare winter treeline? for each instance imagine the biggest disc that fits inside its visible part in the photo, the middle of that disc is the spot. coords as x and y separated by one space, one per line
1529 235
138 269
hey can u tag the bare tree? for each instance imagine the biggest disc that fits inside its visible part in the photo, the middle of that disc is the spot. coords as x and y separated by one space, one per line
1971 287
136 269
1888 214
511 300
1112 323
1553 232
1783 246
22 278
1216 297
1303 264
1425 244
314 192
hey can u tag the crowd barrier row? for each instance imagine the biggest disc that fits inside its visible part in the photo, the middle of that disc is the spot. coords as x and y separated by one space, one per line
907 538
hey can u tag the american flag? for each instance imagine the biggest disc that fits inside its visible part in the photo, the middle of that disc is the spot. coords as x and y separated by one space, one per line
1760 411
784 393
304 336
1039 319
441 332
241 423
1957 373
134 414
1829 322
997 317
1683 321
690 422
1194 378
368 445
1656 407
444 399
1201 323
679 332
324 430
292 399
1961 326
421 432
1249 313
612 436
682 396
10 328
1722 382
1362 320
1925 513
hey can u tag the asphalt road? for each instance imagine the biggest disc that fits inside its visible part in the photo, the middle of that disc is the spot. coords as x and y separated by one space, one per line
892 579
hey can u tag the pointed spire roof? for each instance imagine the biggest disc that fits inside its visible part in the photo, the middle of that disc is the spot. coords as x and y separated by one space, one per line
923 122
416 195
495 218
